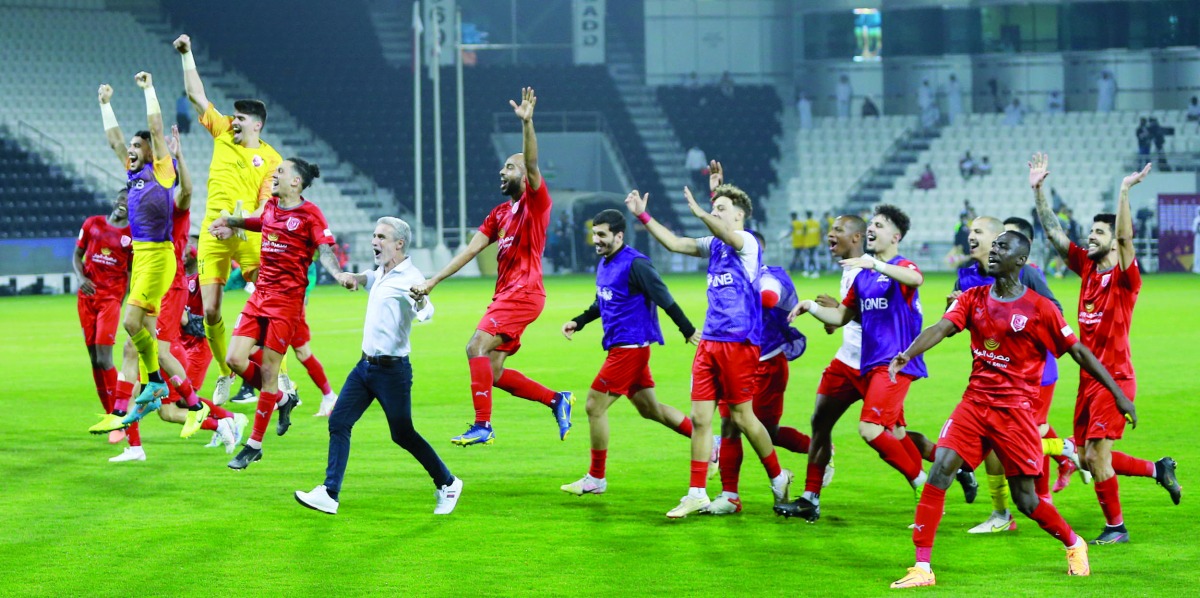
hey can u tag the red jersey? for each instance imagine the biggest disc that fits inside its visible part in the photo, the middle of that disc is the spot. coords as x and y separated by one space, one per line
107 251
195 302
1106 311
519 231
290 238
181 224
1009 341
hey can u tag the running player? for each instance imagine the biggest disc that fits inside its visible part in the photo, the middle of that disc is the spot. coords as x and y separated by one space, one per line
629 292
1011 328
887 301
102 257
1110 286
518 227
239 177
293 230
727 356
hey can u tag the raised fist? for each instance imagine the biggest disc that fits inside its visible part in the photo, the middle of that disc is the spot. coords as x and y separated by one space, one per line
183 43
105 93
143 80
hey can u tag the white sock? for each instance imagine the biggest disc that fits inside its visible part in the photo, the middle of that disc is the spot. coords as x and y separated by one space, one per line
924 567
812 497
1078 542
697 493
730 495
330 397
920 479
254 444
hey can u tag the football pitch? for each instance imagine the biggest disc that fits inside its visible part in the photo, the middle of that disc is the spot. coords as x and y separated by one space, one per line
181 523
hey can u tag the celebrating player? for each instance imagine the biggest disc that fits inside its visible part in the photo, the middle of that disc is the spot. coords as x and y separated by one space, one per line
293 229
1110 286
518 227
727 356
628 293
239 177
102 255
1012 328
887 301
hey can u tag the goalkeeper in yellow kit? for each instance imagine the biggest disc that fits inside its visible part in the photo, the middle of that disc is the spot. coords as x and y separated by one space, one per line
239 178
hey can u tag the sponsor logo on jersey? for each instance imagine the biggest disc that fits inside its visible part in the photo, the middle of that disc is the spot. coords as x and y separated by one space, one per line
293 223
1066 330
1089 306
1018 322
273 236
991 344
605 293
105 251
1104 280
720 280
873 303
126 240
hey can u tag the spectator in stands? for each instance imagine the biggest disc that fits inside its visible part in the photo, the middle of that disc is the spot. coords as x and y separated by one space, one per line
966 166
696 164
869 108
843 93
1013 114
928 107
994 90
1106 92
811 244
961 251
804 110
1054 103
984 167
967 212
183 114
726 85
1193 111
954 102
927 181
1158 138
1143 139
796 234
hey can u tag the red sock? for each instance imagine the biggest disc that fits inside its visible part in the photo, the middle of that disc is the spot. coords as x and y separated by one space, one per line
209 424
598 459
813 478
910 447
110 382
481 388
793 440
1109 496
101 388
122 395
252 375
771 463
892 451
134 436
1125 465
730 462
216 411
685 427
699 474
184 388
518 385
317 373
1041 484
1048 518
256 357
262 415
929 516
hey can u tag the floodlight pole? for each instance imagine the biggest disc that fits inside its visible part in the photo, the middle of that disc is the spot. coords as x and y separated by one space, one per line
462 130
419 202
437 131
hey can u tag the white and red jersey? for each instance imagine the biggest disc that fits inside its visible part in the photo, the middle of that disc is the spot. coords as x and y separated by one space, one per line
107 251
519 230
1009 342
1106 302
290 238
850 353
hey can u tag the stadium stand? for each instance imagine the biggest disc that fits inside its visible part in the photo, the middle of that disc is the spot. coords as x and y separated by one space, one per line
37 199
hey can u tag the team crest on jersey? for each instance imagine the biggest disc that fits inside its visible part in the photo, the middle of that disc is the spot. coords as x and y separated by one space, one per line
293 223
1104 280
105 251
605 293
1018 322
257 160
191 286
126 240
1089 307
978 313
273 237
991 344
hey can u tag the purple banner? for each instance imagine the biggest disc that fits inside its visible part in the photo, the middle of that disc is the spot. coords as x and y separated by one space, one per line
1178 233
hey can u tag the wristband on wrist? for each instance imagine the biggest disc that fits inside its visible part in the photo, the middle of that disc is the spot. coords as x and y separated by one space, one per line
644 217
108 116
877 264
189 62
152 106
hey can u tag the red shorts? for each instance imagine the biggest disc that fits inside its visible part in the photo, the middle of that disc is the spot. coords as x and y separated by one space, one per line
170 314
626 370
974 429
883 403
199 357
302 335
842 383
507 318
724 372
771 377
1096 414
273 333
1041 405
99 319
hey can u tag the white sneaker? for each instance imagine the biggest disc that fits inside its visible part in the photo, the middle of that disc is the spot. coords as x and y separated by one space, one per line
688 505
780 485
827 479
289 391
1071 452
723 505
586 485
327 403
447 497
318 500
131 453
227 433
996 522
215 441
240 422
221 392
714 458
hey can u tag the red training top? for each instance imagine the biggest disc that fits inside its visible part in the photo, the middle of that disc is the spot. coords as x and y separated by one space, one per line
519 231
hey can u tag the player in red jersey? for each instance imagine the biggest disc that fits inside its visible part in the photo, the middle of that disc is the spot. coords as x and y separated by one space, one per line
518 227
102 256
1110 286
1012 328
293 230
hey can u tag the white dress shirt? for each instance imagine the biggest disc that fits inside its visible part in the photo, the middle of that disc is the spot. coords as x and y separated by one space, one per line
391 310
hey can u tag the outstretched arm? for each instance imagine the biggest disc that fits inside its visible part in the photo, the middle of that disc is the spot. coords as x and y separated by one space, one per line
112 130
191 78
1088 363
158 140
183 200
1038 171
908 277
838 315
330 262
637 205
529 146
477 243
1125 250
925 341
715 225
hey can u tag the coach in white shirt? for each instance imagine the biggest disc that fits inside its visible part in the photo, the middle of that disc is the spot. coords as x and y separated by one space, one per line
384 372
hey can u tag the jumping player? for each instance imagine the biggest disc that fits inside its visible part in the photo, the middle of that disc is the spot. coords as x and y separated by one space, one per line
518 227
629 292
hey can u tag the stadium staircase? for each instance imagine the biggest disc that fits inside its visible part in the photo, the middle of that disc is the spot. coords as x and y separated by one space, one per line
895 164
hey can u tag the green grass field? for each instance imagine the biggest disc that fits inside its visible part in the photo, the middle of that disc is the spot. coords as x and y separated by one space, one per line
181 523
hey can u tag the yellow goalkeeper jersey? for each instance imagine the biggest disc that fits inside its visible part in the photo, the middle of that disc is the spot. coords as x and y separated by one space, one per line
236 172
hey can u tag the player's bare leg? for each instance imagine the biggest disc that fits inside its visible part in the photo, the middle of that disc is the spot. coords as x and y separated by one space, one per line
268 396
139 325
926 449
650 408
127 384
1105 465
887 443
826 413
742 415
176 375
1001 518
214 329
1024 495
